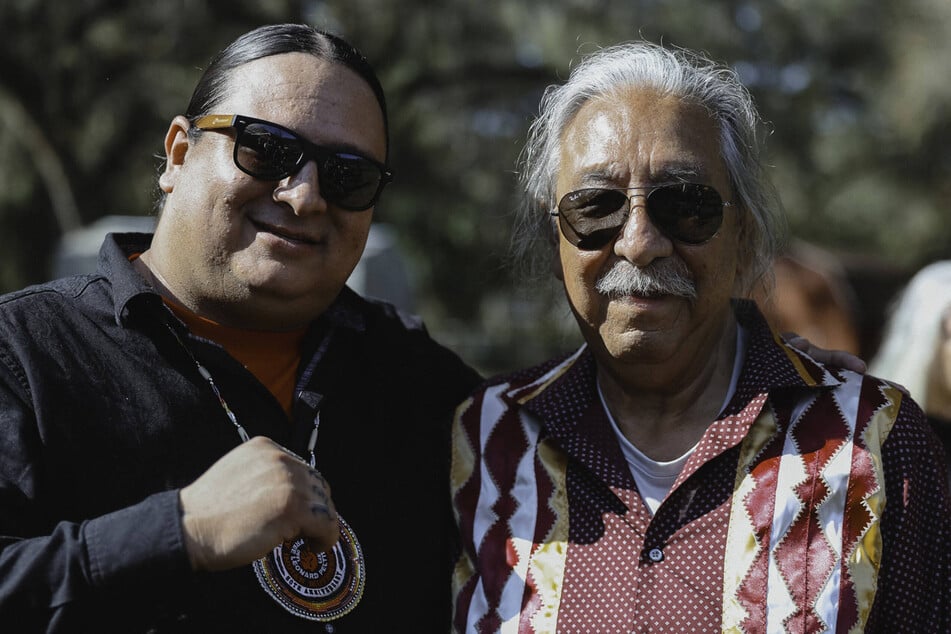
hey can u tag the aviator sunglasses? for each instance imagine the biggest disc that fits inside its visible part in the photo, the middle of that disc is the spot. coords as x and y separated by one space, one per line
271 152
686 212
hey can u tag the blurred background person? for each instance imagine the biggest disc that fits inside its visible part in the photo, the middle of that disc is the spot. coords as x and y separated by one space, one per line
916 346
813 297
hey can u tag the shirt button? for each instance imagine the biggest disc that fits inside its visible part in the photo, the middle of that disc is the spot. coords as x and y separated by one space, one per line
656 554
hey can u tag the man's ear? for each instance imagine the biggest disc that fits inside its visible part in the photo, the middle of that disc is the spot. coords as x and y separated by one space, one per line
555 263
743 285
176 146
556 266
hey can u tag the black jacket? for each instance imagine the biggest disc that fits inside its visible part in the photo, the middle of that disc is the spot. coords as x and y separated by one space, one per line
103 417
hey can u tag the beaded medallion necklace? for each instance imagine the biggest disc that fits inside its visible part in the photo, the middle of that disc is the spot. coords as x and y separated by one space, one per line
309 583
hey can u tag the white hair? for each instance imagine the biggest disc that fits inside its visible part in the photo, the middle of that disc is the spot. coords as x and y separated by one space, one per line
913 331
688 75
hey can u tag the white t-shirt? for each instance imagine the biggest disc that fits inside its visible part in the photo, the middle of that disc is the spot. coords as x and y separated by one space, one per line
655 478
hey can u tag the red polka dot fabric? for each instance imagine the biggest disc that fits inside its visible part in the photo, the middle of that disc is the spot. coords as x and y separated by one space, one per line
816 502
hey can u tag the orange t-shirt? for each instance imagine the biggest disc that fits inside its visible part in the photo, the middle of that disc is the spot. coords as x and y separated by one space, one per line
271 356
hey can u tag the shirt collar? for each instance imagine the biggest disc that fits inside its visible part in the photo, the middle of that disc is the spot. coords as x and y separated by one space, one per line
769 365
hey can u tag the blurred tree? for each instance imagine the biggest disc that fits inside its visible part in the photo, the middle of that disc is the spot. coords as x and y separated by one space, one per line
860 112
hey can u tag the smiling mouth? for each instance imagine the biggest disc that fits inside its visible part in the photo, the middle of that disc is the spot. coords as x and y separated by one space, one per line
284 234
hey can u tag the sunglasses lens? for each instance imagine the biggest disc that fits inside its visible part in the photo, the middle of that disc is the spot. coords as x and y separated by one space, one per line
267 152
271 153
350 181
591 218
687 212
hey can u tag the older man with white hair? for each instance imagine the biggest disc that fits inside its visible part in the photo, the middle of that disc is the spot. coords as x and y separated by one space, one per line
685 470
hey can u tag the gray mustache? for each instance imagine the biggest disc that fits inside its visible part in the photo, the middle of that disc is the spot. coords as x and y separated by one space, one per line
661 277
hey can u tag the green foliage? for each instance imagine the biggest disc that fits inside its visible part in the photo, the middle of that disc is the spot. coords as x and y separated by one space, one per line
856 92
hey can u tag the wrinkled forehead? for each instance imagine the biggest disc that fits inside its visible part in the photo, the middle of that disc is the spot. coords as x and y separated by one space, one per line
643 133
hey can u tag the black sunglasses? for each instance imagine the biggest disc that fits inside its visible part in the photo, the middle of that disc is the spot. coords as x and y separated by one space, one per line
271 152
685 212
